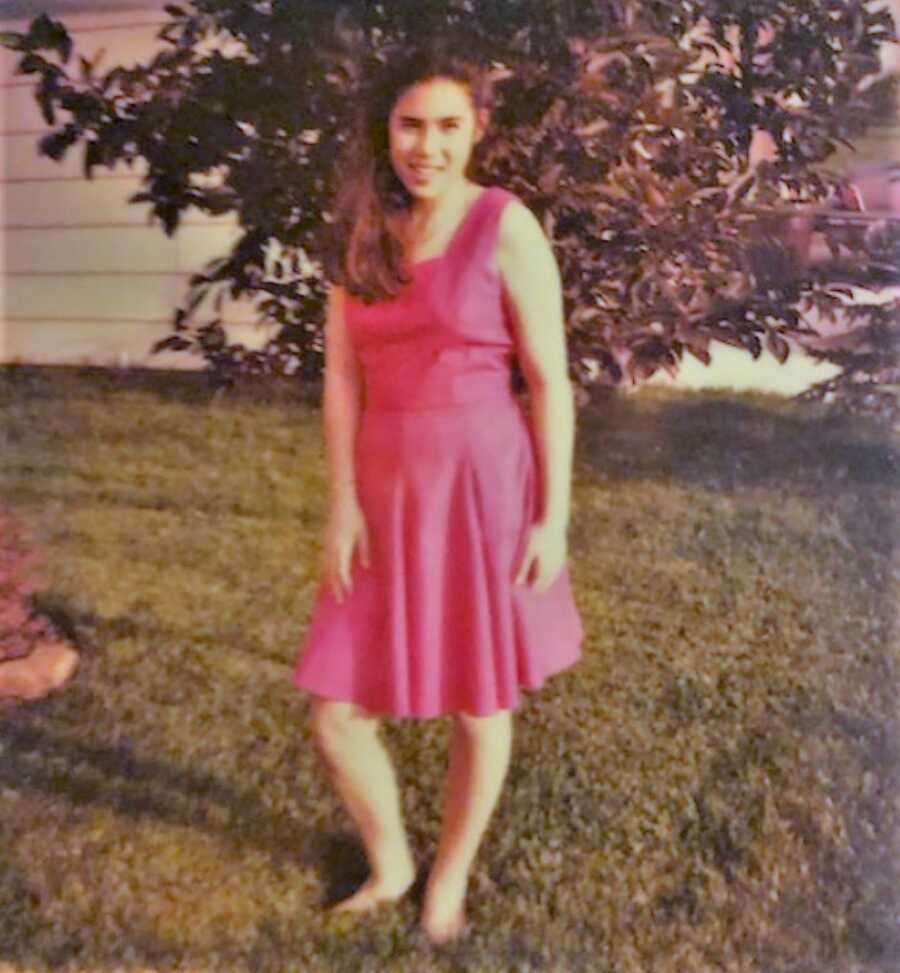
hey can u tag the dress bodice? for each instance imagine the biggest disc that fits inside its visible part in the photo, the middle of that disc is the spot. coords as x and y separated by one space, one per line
446 338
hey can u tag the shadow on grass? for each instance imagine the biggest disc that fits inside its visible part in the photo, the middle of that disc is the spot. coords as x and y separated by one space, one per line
110 775
165 385
86 774
722 444
695 439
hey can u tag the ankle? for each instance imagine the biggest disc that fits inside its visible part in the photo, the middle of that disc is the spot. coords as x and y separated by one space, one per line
449 877
394 859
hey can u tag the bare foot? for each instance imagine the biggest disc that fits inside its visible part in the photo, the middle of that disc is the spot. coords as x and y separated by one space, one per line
376 890
444 913
447 931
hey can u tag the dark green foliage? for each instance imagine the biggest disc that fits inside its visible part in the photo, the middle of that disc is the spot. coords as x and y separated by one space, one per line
713 787
635 131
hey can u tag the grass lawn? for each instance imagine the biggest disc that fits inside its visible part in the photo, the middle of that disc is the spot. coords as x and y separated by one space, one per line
714 787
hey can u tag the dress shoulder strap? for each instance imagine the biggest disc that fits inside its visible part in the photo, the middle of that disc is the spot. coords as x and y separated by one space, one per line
480 238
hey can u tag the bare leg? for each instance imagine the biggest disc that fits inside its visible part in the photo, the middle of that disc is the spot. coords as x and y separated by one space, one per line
361 771
479 759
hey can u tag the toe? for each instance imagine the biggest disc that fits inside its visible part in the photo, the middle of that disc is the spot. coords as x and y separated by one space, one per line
369 896
445 932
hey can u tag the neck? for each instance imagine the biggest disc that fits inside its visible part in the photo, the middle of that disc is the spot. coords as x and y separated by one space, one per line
431 211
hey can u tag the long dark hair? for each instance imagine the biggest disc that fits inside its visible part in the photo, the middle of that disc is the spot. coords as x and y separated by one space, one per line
362 254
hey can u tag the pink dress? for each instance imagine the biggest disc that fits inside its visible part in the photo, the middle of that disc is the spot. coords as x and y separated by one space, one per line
447 479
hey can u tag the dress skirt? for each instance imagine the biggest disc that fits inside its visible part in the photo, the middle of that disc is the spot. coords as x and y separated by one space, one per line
436 624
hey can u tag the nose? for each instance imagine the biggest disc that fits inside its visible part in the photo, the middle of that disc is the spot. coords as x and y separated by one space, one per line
429 139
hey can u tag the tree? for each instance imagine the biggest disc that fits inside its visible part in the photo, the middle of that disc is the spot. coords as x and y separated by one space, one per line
662 144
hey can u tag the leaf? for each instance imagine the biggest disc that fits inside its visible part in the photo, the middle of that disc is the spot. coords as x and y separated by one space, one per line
752 343
700 353
45 98
550 177
778 346
32 64
93 155
13 40
51 34
172 342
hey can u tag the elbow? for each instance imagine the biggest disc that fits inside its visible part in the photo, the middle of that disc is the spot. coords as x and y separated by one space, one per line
343 379
343 389
546 382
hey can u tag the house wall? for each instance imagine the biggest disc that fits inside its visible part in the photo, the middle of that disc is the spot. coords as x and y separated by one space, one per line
87 278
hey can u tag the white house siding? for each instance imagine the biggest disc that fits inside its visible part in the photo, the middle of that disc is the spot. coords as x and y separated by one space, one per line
86 278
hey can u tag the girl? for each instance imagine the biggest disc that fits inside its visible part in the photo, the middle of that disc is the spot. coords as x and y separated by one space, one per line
454 503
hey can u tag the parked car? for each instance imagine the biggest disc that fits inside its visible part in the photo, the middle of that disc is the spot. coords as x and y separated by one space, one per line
866 208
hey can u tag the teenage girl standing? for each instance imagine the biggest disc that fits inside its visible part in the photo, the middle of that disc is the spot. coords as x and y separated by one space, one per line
444 588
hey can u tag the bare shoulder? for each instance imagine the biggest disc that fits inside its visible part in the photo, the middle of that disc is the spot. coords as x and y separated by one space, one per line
334 296
522 245
335 292
518 222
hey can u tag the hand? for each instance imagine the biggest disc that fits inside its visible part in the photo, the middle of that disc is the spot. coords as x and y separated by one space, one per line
544 557
345 532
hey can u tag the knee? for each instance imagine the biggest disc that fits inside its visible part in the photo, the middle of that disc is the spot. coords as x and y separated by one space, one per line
484 727
333 720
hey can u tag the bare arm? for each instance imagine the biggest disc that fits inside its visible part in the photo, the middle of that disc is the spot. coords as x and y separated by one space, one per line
342 399
531 277
346 528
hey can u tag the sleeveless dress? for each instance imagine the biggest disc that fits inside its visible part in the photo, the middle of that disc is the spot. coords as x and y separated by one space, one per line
446 469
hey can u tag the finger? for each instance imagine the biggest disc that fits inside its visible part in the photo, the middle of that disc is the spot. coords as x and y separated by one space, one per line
364 550
522 575
335 585
346 559
333 573
335 580
518 575
545 581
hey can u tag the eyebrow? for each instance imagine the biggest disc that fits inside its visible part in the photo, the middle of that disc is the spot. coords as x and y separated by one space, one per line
417 118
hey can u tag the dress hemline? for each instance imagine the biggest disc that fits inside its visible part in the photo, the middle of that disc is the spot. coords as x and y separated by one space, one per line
378 710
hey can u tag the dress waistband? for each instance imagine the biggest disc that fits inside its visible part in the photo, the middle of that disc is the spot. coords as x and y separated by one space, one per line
439 392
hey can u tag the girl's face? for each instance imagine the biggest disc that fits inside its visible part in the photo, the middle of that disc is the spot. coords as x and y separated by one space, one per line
432 129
